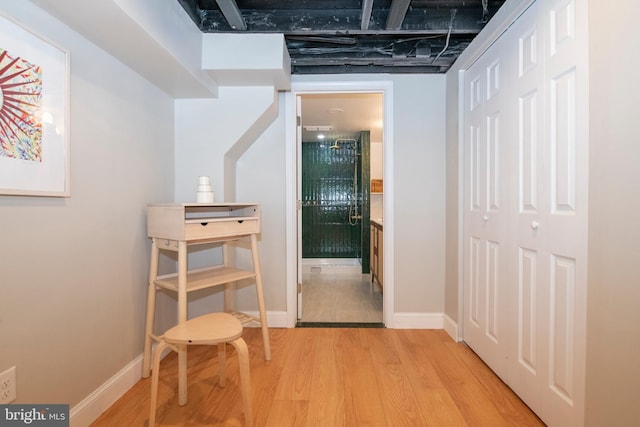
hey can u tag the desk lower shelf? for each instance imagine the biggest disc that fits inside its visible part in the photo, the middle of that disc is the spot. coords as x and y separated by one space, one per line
204 278
246 319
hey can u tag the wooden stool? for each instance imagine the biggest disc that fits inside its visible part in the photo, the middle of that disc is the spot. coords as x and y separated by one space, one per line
210 329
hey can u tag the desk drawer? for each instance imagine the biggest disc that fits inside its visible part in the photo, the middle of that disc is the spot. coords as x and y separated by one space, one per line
221 228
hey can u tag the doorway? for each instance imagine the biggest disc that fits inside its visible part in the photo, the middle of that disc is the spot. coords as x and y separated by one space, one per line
340 141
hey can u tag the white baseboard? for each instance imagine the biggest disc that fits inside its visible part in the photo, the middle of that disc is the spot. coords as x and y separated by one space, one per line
87 411
451 328
418 321
91 407
275 319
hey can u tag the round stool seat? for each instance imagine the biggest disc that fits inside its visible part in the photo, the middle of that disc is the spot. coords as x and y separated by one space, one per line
209 329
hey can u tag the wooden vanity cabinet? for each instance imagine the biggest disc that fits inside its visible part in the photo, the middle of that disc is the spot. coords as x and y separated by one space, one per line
376 253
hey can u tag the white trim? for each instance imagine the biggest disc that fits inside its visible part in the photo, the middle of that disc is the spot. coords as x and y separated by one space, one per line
451 328
386 88
90 408
388 247
291 252
419 321
275 319
461 178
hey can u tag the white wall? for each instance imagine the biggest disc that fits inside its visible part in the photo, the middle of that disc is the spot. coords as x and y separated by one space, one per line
377 172
377 157
205 129
419 193
451 302
73 271
261 178
613 323
206 132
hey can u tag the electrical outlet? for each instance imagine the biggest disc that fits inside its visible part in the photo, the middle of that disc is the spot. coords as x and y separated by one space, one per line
8 385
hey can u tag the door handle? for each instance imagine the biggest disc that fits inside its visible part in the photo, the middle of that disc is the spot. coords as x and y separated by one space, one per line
485 218
535 225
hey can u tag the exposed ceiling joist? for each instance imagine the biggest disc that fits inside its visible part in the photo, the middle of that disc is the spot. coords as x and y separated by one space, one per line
397 13
347 36
232 14
367 7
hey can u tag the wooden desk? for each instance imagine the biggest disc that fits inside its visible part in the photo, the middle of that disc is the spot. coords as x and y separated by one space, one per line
173 227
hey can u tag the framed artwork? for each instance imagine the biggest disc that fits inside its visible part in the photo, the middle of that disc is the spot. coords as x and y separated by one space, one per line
34 114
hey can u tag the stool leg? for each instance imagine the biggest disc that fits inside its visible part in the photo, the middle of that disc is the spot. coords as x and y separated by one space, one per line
222 364
245 378
155 374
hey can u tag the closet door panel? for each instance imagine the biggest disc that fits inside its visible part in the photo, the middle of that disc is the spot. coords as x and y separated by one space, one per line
563 155
550 223
475 208
476 168
527 314
529 369
487 318
561 337
475 196
528 147
494 280
475 287
565 222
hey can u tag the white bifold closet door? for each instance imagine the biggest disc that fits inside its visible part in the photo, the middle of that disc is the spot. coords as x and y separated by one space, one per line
525 278
487 186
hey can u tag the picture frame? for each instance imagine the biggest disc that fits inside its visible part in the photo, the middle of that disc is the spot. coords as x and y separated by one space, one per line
34 114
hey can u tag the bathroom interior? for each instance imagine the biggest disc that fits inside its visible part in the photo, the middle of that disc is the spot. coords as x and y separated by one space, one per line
341 194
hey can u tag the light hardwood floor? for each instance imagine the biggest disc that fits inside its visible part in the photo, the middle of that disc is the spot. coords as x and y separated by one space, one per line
330 377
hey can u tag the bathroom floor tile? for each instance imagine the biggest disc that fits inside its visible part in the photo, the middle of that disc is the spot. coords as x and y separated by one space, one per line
335 295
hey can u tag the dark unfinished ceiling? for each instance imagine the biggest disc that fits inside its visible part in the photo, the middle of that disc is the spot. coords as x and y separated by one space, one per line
354 36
